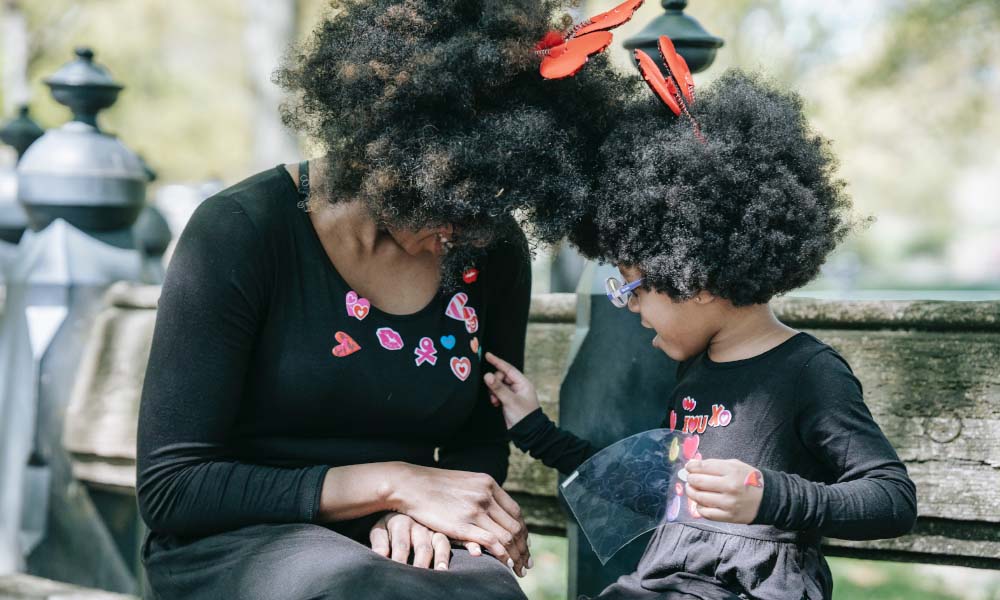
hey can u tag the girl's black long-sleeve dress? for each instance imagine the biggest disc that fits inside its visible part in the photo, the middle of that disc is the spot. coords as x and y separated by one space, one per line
266 369
798 414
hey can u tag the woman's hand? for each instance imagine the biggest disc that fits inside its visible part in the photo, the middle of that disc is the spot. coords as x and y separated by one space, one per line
510 389
395 535
468 507
725 490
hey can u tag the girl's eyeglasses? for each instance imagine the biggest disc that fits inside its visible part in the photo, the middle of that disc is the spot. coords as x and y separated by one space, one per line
620 294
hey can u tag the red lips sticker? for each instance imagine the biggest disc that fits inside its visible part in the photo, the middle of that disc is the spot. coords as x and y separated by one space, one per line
470 275
347 345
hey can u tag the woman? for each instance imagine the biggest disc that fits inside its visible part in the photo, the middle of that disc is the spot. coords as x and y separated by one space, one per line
314 385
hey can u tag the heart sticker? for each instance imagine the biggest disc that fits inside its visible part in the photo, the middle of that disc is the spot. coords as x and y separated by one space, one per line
448 341
361 308
347 345
389 339
472 325
456 307
351 300
474 344
470 275
461 367
691 446
688 403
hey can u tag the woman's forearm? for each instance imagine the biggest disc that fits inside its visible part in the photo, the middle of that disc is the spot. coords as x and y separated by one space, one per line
357 490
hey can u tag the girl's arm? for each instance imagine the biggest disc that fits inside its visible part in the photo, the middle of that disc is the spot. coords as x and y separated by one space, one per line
530 430
482 445
872 496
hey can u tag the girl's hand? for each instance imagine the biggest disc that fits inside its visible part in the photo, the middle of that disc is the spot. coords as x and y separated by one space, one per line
510 389
469 507
725 490
395 535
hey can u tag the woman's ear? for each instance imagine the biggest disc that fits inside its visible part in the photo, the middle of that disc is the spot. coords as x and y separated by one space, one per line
704 297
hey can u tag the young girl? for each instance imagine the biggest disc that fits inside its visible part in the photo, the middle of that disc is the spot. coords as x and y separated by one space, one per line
706 228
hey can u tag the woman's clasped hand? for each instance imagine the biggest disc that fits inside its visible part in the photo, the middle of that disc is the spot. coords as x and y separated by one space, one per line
434 506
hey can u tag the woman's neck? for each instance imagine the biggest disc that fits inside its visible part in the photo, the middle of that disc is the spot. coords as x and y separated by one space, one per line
748 331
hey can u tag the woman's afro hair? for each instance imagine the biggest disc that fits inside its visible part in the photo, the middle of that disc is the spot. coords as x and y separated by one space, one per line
748 214
433 113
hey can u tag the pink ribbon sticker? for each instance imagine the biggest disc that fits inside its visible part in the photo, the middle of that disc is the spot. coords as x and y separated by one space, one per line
425 352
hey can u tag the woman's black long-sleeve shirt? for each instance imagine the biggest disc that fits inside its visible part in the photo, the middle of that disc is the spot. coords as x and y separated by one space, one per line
266 369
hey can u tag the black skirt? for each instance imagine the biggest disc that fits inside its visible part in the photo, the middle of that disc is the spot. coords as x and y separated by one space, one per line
306 561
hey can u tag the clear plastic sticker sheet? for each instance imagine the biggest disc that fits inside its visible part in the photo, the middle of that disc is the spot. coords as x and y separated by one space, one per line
634 486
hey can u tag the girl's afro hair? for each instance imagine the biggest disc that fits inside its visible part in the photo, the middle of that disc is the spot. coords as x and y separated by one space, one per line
749 214
433 113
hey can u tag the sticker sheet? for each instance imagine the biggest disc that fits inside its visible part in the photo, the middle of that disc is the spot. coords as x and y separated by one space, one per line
633 486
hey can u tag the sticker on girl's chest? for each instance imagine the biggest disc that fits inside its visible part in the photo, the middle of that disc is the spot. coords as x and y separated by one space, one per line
720 417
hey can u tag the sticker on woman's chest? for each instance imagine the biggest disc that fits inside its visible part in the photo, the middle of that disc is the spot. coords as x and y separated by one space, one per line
471 275
357 307
425 352
457 309
346 345
389 338
461 367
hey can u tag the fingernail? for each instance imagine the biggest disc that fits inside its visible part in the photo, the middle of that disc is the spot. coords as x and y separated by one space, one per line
442 566
531 563
510 564
522 572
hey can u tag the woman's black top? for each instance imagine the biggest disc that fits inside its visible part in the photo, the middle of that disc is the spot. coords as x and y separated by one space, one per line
266 368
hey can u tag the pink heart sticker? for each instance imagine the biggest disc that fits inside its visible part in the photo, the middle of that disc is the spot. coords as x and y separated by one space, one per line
351 300
361 308
461 367
347 345
691 446
389 339
456 307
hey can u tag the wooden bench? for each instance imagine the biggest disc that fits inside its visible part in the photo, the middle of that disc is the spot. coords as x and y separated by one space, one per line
931 372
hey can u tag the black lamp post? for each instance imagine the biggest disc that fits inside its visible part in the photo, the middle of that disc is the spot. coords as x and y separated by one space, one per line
696 45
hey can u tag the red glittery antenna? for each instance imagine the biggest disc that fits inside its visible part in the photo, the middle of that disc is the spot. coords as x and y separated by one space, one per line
565 54
677 88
